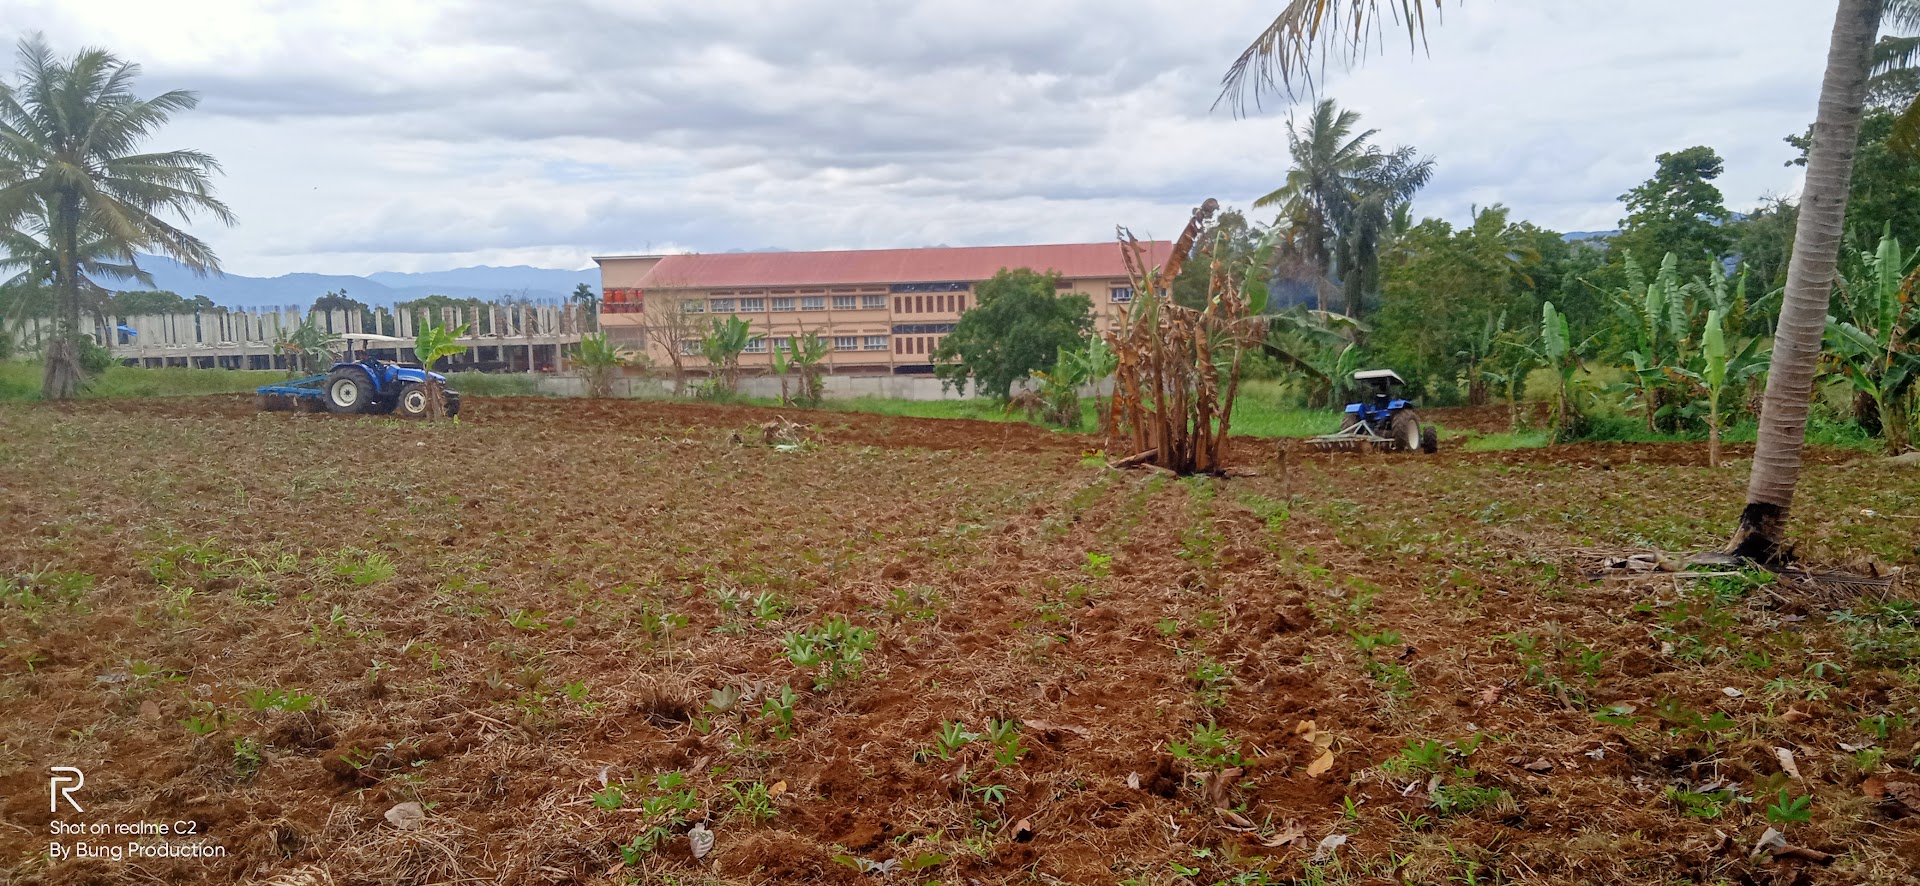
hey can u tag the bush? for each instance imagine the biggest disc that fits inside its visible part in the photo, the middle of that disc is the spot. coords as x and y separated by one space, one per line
94 358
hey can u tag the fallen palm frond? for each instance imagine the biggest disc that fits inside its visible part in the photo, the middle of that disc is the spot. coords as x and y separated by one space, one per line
1178 368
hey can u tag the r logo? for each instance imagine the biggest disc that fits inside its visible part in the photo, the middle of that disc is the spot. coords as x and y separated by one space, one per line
56 792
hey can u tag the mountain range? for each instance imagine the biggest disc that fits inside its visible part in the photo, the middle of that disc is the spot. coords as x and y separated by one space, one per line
379 288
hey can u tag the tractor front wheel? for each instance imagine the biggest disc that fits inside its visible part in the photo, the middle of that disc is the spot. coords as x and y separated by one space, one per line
413 400
1429 439
348 391
1405 428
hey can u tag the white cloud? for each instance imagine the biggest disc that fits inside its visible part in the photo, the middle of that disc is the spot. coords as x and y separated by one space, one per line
362 136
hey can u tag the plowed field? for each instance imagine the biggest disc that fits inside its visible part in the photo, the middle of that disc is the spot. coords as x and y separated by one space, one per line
916 651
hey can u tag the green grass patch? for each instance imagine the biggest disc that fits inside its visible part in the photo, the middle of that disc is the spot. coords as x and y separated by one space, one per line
20 380
980 410
1505 440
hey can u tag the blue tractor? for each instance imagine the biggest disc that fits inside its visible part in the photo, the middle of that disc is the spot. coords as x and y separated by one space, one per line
361 384
1381 419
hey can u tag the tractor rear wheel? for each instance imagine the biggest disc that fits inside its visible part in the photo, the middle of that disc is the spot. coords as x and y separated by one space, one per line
1405 431
413 400
1429 439
348 390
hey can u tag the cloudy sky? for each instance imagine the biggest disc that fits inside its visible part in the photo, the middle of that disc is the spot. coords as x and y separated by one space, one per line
412 135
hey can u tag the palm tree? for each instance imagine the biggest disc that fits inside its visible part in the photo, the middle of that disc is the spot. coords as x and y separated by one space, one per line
1307 32
1761 534
589 302
1341 196
72 182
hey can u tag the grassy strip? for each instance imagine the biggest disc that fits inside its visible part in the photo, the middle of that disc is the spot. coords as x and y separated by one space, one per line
20 380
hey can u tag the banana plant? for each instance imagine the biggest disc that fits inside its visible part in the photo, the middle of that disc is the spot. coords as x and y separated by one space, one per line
1871 345
432 344
307 347
723 344
598 358
1558 352
1317 350
801 355
780 369
1656 317
1478 358
1718 368
1515 356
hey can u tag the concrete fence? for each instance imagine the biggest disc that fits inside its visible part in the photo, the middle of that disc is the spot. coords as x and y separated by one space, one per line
500 337
835 387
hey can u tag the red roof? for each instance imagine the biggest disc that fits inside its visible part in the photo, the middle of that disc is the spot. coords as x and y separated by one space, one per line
876 266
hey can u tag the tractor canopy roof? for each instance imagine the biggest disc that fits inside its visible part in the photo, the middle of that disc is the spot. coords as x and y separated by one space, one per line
1387 375
371 337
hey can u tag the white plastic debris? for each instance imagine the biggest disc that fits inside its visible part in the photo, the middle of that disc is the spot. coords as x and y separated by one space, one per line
406 816
699 840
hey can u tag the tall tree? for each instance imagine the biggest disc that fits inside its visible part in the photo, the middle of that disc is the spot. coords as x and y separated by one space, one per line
1286 50
673 326
1761 534
1448 286
1019 326
71 175
1678 210
1341 196
1885 187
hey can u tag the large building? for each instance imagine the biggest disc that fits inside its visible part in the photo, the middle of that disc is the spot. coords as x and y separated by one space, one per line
881 310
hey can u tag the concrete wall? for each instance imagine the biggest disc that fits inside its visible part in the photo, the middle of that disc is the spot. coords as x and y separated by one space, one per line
837 387
515 337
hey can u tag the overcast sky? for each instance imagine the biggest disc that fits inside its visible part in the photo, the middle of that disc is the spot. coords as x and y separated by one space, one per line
409 135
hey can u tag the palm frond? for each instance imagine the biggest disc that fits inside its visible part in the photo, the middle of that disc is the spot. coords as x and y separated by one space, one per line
1305 34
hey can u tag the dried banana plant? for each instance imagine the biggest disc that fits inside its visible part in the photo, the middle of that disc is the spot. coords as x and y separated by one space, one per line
1179 368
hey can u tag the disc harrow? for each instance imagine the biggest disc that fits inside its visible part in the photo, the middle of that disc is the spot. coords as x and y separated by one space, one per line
1357 437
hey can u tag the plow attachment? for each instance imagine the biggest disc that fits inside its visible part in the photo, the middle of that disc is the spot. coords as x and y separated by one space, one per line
1356 437
294 395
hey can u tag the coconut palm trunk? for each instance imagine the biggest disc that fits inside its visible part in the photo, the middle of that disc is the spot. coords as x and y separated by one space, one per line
64 376
1810 274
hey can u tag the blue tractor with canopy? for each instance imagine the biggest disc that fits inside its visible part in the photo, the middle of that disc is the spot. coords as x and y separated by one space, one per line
1381 419
361 384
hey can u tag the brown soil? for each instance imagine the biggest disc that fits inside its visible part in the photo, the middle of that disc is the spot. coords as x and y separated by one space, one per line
487 617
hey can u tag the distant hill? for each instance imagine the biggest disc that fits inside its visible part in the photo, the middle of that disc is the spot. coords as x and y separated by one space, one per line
1571 236
381 288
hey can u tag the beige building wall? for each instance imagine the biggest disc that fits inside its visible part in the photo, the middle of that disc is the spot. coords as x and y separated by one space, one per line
871 328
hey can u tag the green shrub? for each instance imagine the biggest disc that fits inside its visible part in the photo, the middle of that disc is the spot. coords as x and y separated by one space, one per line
94 358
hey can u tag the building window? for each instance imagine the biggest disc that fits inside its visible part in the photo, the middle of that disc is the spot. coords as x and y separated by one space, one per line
873 302
752 305
693 306
756 346
812 303
844 302
783 304
875 343
690 346
778 344
846 342
722 306
960 302
1120 294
